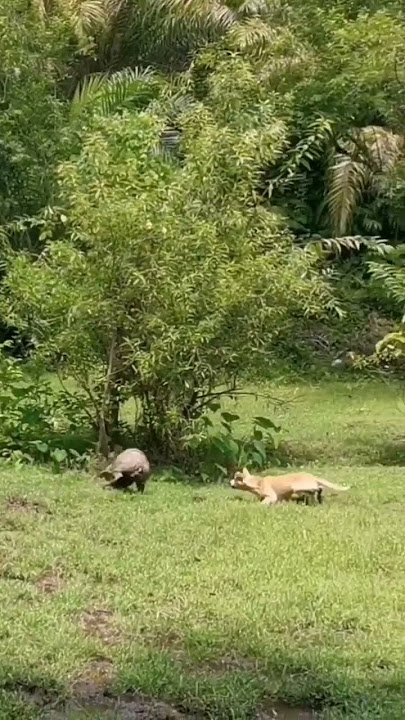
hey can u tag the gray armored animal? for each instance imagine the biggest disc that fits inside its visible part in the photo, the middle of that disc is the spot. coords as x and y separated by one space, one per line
130 466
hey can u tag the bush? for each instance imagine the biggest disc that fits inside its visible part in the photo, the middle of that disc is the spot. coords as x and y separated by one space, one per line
219 452
35 422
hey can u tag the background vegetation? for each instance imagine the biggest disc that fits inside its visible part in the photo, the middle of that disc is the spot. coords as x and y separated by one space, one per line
191 192
202 221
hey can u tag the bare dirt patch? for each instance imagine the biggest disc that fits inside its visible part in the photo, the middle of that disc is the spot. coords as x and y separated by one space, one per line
132 706
50 584
286 712
94 681
92 698
23 505
127 707
99 623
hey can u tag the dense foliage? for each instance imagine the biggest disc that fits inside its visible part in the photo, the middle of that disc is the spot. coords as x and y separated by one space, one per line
191 191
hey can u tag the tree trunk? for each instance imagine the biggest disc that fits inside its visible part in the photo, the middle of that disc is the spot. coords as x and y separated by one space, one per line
109 410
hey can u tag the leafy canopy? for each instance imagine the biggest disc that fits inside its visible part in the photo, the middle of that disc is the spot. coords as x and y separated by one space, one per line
173 262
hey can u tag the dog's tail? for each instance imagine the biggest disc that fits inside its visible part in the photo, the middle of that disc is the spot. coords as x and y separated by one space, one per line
331 486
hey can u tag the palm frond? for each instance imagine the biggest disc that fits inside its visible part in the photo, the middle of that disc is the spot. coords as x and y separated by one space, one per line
251 34
42 7
253 7
370 154
109 93
114 7
86 91
393 344
375 245
381 147
211 12
347 181
87 17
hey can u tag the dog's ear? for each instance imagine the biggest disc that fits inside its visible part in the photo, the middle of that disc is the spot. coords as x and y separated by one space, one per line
245 473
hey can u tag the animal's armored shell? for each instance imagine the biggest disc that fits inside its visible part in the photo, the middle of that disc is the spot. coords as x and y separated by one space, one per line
130 466
130 462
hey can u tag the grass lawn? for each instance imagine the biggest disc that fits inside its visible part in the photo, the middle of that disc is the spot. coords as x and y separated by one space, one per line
203 598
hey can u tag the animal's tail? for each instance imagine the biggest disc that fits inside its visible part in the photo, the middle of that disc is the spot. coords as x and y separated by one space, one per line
331 486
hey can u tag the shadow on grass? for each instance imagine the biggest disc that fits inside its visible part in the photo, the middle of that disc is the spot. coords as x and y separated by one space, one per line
249 686
353 452
281 686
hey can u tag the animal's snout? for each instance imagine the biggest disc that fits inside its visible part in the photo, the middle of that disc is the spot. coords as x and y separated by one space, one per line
232 483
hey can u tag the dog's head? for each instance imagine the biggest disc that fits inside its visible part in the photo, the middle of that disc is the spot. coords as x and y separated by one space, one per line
242 480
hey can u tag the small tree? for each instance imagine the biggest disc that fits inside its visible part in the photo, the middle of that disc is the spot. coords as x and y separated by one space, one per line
171 278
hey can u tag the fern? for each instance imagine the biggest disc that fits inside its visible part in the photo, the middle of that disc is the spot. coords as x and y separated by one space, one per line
299 158
392 278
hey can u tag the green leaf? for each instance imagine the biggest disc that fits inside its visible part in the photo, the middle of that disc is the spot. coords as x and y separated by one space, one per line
214 406
223 470
227 446
42 447
266 423
256 458
260 449
59 455
207 421
20 392
230 417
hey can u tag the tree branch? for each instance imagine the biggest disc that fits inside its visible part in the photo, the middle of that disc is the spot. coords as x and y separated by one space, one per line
70 394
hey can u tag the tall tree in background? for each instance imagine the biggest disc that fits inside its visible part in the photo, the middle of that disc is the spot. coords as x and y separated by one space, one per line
32 115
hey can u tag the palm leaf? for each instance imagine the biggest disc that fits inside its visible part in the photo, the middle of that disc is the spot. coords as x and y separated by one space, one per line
381 147
251 34
375 245
209 11
393 343
347 181
111 92
253 7
85 17
42 7
86 91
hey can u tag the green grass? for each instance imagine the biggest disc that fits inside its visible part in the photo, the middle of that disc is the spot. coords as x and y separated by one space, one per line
342 422
211 600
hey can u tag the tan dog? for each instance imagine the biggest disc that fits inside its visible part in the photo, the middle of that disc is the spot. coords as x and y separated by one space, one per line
273 489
